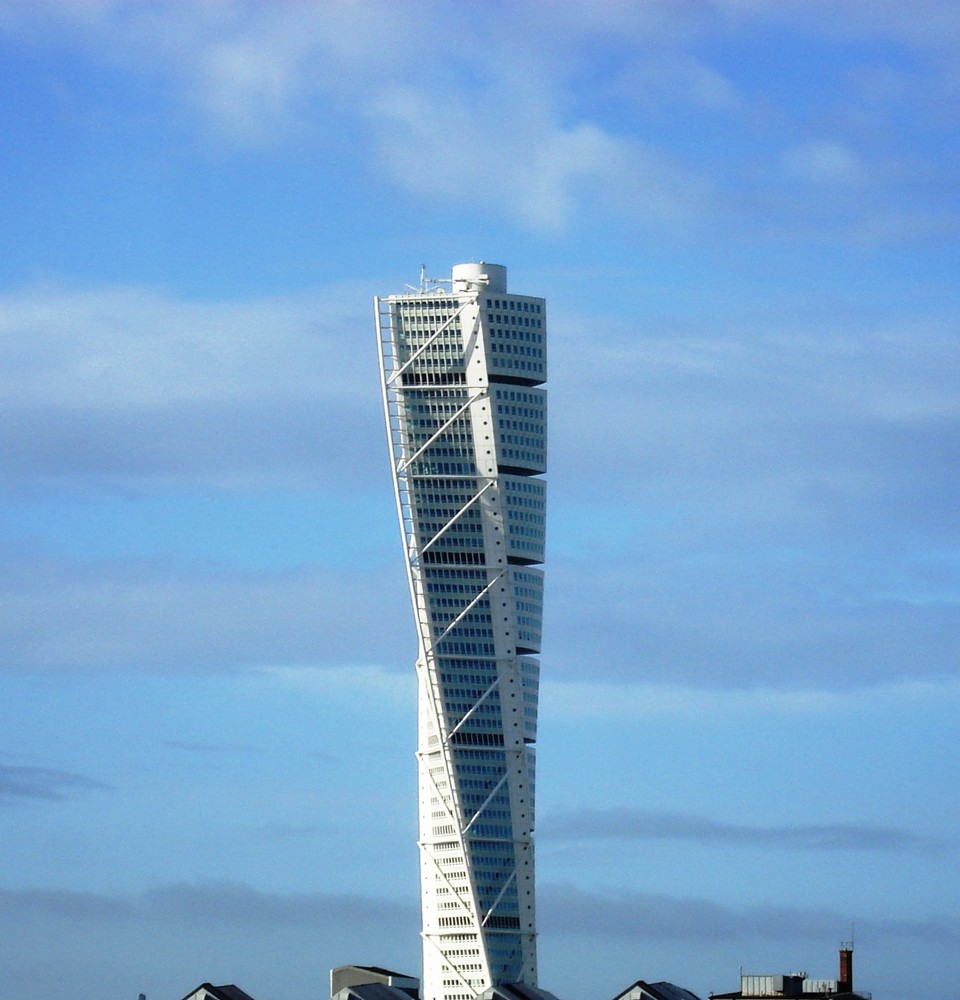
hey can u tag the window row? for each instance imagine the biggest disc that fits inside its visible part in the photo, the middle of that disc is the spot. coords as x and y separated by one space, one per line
495 771
516 531
435 345
479 757
534 487
528 352
474 694
525 517
510 441
415 379
465 580
429 468
448 646
456 451
475 722
533 368
529 503
440 401
475 706
451 543
515 305
532 426
443 515
521 458
463 526
491 830
456 603
450 504
531 397
532 607
523 324
444 618
466 632
450 668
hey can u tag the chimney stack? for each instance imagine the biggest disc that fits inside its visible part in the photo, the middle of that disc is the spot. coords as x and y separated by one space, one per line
845 984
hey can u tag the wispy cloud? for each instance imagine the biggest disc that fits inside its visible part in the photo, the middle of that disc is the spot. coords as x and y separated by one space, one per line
209 749
563 909
364 682
137 390
210 902
648 916
169 938
543 172
435 123
166 615
205 902
47 783
793 492
823 162
625 824
67 904
607 699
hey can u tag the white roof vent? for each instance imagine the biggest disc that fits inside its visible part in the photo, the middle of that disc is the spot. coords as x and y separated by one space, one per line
474 277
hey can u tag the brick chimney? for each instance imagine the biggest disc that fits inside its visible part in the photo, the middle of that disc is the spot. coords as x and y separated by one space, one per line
845 979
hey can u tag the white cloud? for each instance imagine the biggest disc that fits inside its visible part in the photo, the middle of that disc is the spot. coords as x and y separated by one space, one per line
502 133
455 106
823 162
248 70
249 91
116 347
129 386
523 164
661 81
784 400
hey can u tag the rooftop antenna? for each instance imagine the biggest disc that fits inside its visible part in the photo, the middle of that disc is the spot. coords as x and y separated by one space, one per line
429 284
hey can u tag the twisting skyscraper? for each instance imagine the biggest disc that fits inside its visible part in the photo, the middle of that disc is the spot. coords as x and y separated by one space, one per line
462 360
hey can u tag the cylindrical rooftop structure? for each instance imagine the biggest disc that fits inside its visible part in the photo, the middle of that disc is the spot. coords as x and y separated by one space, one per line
470 277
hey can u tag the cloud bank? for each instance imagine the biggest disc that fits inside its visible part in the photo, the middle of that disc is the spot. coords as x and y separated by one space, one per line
625 824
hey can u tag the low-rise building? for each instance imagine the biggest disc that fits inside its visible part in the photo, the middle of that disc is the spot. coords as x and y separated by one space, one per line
371 982
761 986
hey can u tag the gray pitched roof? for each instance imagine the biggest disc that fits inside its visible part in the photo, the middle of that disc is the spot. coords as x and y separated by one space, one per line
227 992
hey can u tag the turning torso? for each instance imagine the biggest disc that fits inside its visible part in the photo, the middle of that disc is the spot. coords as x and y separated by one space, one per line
462 360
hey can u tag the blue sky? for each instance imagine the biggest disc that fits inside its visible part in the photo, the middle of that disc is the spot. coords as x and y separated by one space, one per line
744 217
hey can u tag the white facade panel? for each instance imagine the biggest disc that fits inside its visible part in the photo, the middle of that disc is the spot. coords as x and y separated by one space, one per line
520 424
516 329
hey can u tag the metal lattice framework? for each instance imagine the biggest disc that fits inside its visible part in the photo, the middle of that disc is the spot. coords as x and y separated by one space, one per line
467 430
